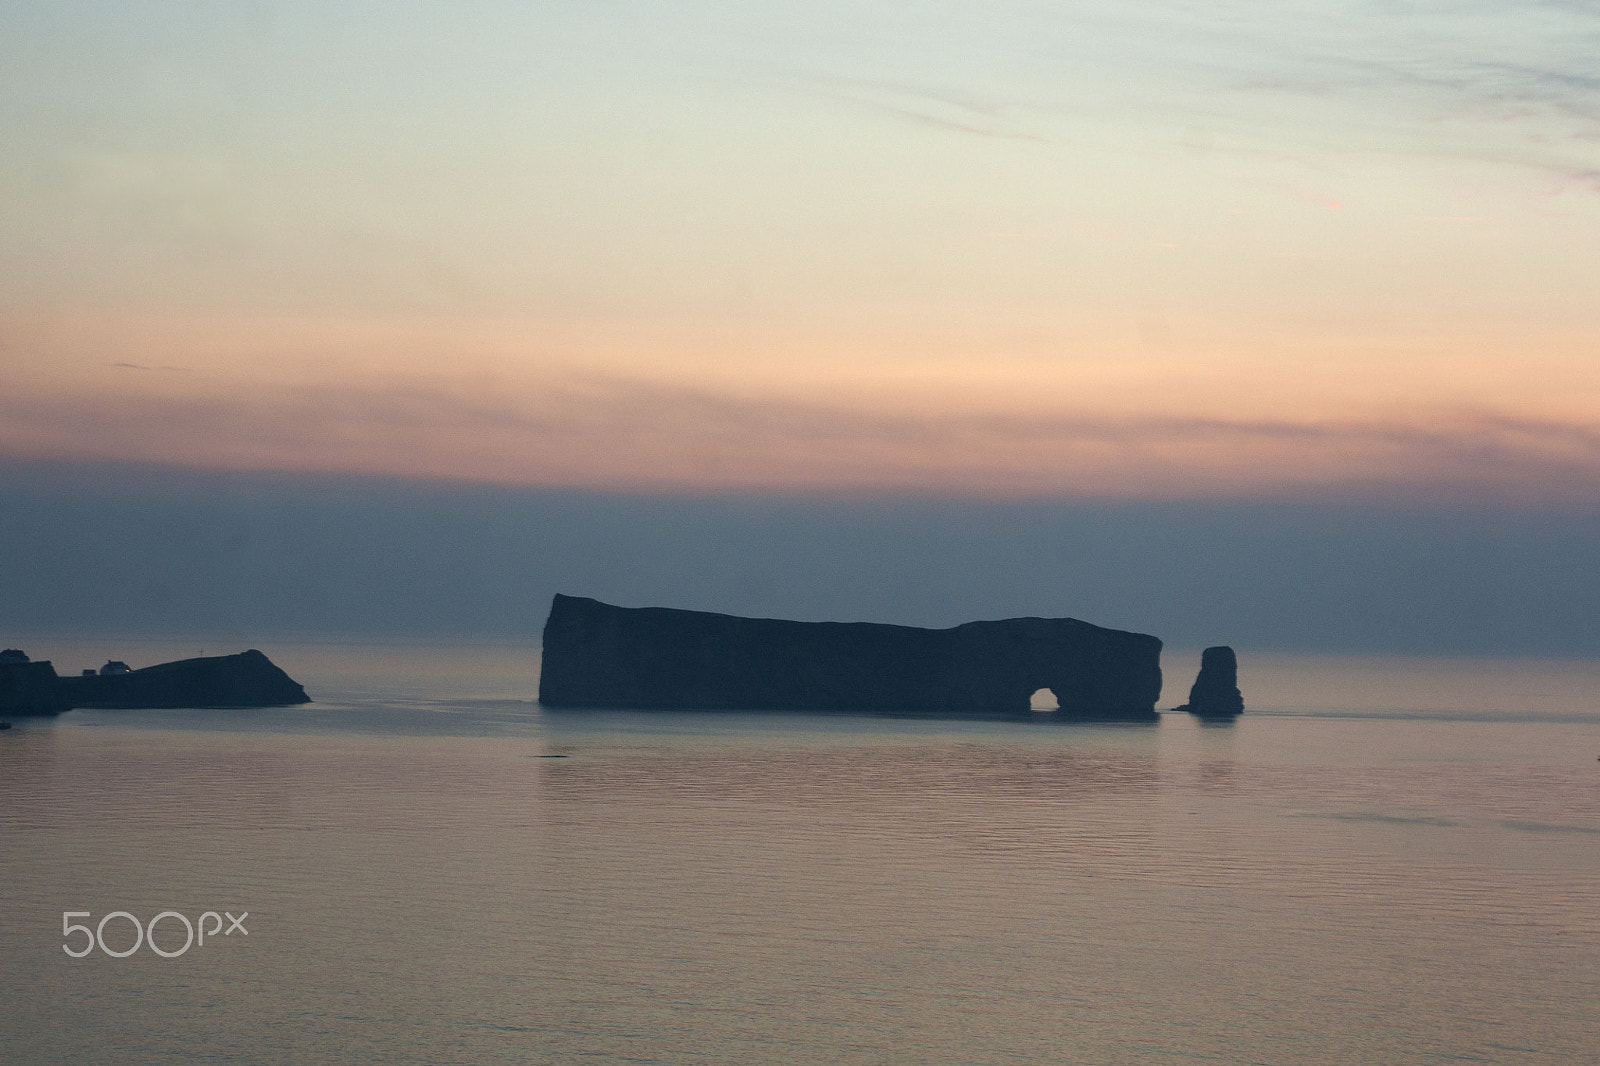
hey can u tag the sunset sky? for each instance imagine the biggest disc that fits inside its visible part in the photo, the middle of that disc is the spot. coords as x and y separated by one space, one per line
1267 323
1012 249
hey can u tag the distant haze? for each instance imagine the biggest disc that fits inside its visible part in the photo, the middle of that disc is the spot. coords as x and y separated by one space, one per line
97 549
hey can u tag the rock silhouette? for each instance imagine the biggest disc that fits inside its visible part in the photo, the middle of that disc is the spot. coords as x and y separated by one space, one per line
29 688
598 655
1216 690
248 679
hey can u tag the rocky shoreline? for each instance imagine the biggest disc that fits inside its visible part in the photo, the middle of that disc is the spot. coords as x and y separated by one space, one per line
248 679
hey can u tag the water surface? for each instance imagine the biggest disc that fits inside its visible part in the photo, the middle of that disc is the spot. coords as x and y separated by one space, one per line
1385 861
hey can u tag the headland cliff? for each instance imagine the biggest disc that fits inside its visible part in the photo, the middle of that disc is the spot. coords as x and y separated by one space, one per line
248 679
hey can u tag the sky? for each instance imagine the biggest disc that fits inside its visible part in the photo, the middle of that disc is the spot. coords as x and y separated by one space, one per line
1141 261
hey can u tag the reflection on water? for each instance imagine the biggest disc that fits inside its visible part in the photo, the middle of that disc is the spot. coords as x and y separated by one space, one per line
426 883
859 774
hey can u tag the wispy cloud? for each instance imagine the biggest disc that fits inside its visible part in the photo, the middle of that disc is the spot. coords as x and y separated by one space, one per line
933 106
1468 79
1514 84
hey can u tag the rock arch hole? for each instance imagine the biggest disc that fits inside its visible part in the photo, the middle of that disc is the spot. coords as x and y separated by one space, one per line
1043 700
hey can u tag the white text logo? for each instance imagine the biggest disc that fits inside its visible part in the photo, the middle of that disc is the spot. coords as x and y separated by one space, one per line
97 935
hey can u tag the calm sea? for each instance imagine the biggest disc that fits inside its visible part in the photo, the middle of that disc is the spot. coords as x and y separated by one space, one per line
1386 861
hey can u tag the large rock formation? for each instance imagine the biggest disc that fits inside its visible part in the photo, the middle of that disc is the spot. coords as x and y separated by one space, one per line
248 679
1216 690
29 688
597 655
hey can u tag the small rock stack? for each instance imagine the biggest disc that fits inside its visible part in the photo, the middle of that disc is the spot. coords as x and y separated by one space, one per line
1216 691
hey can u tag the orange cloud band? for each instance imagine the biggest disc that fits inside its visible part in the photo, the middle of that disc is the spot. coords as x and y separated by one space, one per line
629 433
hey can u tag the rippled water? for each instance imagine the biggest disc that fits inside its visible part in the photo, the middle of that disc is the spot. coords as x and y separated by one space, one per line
1387 861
